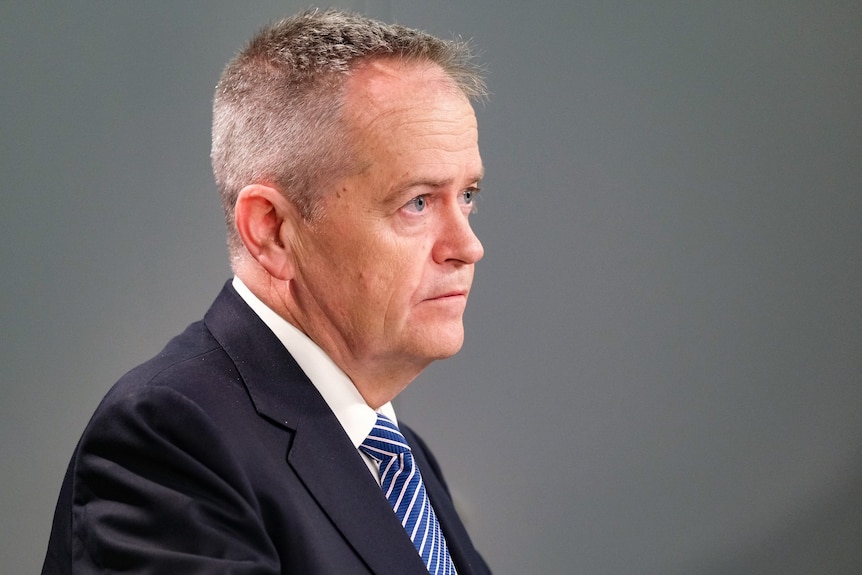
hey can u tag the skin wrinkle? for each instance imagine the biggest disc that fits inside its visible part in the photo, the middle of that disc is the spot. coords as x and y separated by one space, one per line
380 125
367 278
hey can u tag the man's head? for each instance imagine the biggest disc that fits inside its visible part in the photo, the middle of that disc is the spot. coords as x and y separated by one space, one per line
352 215
278 107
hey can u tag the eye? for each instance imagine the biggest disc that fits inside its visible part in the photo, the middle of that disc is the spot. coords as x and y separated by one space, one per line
417 204
468 197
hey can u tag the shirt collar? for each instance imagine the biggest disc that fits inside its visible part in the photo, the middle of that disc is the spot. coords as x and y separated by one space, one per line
356 417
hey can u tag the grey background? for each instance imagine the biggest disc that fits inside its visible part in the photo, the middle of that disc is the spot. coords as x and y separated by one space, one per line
662 370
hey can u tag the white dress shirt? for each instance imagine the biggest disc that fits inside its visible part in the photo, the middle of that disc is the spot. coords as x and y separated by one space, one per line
354 415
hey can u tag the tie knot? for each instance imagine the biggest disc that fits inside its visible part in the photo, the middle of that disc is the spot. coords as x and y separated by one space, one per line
385 440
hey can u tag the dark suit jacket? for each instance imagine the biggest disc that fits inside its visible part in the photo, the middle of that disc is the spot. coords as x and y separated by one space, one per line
220 456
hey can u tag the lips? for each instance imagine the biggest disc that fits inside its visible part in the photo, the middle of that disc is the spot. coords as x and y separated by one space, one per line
448 294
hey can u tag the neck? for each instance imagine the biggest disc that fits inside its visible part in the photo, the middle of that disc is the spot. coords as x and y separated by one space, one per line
377 379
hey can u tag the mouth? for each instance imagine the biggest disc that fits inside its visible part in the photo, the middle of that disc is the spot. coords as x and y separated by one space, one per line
449 294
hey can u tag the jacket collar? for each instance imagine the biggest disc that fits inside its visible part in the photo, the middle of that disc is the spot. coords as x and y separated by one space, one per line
320 452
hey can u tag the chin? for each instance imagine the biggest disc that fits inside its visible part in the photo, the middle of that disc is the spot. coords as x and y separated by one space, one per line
443 345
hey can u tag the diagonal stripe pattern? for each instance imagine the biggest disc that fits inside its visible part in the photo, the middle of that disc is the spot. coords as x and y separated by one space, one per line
403 487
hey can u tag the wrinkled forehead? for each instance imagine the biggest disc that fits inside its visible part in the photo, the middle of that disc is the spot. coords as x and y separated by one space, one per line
383 87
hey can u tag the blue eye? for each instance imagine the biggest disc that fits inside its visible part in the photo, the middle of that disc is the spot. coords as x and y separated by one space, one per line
418 204
468 197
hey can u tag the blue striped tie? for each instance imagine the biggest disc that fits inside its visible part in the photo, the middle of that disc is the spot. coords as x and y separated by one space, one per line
402 484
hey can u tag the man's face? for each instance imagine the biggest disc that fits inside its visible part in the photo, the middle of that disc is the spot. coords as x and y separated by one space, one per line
383 276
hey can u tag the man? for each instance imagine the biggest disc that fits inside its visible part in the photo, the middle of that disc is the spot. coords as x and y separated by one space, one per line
257 441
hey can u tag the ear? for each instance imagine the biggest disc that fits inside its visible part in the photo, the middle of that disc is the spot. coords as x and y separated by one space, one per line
264 222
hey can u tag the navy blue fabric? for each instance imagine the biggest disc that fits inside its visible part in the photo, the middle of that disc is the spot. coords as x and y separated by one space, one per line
220 456
401 482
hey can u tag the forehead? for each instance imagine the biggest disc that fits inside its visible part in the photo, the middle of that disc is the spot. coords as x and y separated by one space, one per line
409 117
386 90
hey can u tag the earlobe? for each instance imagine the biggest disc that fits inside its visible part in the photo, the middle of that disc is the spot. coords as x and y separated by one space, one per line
263 222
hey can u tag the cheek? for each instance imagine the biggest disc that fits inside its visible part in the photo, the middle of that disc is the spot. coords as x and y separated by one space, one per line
392 275
380 275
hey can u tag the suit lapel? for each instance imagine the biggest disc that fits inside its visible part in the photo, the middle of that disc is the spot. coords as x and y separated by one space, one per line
348 494
321 454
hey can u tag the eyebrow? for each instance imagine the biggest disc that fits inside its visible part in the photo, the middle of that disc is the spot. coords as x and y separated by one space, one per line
403 190
436 183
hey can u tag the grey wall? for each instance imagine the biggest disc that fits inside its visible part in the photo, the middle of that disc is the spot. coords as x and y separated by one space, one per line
663 371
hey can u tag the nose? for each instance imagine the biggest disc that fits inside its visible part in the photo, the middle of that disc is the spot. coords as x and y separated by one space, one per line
456 240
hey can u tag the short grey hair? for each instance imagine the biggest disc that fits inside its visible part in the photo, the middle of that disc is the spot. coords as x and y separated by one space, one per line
277 111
